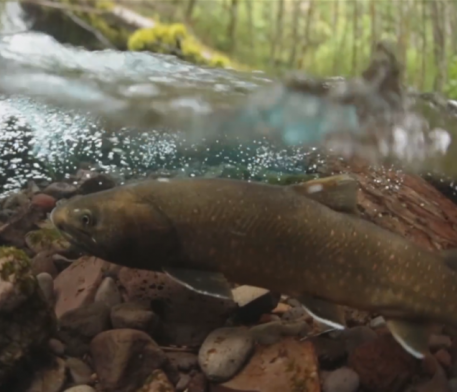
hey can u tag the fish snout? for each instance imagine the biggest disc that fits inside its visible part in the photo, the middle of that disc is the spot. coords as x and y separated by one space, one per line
58 217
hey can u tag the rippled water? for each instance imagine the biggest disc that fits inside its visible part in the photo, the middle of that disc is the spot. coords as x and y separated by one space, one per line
133 113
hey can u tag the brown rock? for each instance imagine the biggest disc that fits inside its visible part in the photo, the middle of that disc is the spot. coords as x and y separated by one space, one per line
197 383
253 302
287 366
45 202
79 371
444 358
183 361
157 382
383 365
49 379
76 286
134 315
187 317
43 262
124 358
79 326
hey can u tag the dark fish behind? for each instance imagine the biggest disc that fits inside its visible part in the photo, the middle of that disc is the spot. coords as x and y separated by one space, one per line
303 240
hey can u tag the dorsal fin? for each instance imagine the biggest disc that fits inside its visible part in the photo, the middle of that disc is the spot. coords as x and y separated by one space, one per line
336 192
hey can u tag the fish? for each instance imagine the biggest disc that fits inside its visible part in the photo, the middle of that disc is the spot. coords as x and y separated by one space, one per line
305 240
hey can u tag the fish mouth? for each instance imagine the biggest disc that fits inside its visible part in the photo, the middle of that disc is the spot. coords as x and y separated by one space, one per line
75 236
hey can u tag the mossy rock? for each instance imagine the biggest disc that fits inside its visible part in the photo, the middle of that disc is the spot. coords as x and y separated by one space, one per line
54 22
26 319
46 239
175 39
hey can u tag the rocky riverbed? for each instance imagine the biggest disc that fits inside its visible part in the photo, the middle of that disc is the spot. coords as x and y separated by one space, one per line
74 323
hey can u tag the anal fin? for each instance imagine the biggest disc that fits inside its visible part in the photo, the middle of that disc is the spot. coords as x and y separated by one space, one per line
209 283
336 192
412 336
324 311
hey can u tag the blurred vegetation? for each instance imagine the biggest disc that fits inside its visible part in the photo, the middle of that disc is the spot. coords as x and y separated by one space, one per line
320 37
324 37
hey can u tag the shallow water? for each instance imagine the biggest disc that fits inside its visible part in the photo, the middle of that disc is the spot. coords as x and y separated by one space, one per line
136 113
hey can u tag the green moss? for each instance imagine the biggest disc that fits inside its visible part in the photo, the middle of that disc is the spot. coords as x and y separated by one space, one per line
16 265
175 39
46 238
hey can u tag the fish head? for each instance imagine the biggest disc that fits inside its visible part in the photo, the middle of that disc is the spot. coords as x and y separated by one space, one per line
119 226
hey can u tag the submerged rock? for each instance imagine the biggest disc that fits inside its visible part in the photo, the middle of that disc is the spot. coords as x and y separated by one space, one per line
224 352
187 317
79 326
76 286
124 359
136 316
157 381
253 302
287 366
341 380
108 293
26 320
49 379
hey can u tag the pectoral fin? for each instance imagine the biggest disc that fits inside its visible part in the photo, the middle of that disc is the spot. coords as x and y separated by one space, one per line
336 192
323 311
205 282
412 336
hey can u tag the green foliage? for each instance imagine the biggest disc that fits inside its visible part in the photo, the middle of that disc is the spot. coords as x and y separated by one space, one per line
325 38
175 39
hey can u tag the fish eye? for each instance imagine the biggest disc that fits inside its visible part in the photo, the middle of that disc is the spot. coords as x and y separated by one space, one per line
85 219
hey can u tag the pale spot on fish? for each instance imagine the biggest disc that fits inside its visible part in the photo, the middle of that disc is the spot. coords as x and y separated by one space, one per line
392 257
332 233
315 188
163 179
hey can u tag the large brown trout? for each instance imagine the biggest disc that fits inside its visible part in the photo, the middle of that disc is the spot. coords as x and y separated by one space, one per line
303 240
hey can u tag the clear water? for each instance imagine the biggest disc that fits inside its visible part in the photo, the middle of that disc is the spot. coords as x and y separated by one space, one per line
136 113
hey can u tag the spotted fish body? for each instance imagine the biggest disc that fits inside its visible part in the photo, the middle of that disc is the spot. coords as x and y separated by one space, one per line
269 236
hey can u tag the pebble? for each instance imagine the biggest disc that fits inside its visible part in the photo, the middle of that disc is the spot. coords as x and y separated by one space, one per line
289 365
382 364
108 293
224 352
356 336
183 361
124 358
45 202
377 322
295 314
43 262
76 285
453 384
341 380
46 284
80 388
79 326
157 382
134 315
56 346
253 302
50 379
80 372
59 190
444 358
437 342
270 333
183 383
